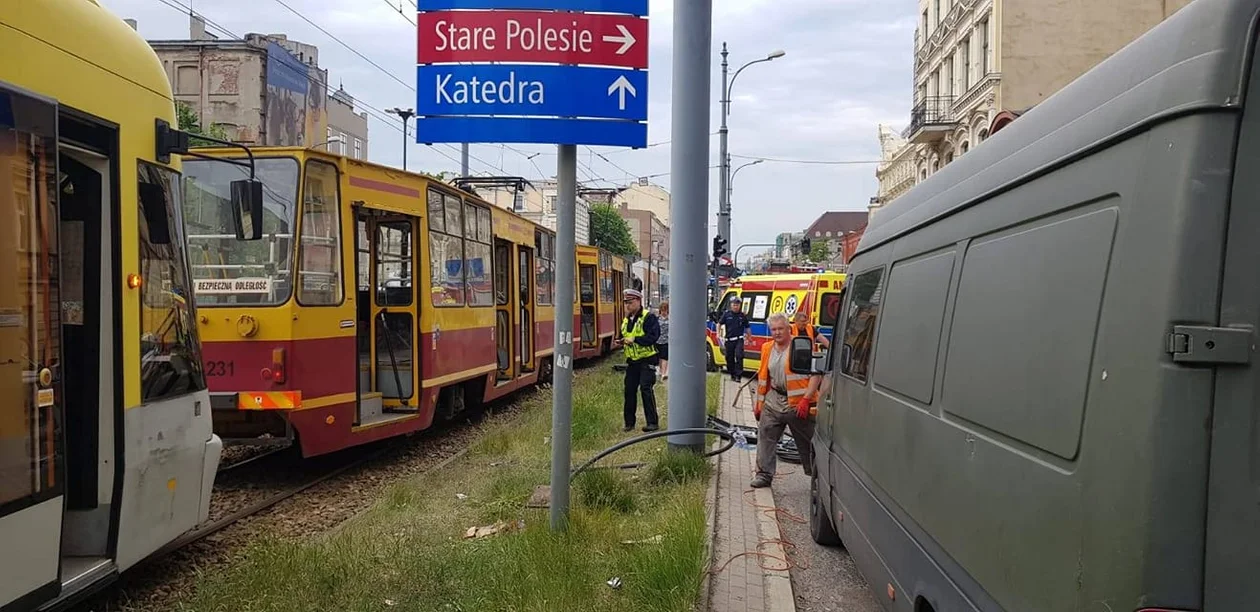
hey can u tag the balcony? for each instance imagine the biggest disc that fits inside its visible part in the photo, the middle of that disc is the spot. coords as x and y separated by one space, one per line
931 120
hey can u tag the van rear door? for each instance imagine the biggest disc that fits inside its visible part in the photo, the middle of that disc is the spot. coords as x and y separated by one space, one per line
1232 546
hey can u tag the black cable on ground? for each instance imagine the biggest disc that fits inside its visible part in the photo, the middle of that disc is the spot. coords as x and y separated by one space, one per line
725 435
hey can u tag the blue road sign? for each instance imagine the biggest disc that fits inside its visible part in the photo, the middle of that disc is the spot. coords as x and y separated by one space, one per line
630 7
526 90
521 130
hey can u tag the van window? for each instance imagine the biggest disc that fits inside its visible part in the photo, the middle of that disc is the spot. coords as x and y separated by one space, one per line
913 314
859 326
829 309
757 305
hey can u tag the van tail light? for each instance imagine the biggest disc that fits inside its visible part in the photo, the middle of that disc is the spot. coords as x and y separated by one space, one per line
278 369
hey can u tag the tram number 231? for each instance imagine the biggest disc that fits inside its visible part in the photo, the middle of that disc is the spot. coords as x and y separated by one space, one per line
220 368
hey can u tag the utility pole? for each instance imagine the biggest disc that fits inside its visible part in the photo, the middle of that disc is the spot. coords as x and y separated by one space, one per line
463 159
562 373
724 182
724 171
405 114
693 37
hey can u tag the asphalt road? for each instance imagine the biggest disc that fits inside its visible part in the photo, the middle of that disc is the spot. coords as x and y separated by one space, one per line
829 580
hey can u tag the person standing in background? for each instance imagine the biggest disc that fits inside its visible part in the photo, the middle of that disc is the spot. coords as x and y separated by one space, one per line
662 343
733 329
639 333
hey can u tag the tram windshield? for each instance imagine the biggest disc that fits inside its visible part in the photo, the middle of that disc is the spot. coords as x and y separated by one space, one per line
227 271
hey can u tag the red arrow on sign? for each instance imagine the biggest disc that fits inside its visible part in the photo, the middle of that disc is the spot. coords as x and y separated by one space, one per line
532 36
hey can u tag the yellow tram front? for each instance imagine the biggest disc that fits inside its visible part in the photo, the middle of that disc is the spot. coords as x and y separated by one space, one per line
106 449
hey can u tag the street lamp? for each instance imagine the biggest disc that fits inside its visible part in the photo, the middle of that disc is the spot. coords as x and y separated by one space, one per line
724 189
405 114
334 140
731 185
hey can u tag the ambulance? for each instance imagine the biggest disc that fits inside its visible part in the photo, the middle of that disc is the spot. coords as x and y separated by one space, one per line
762 295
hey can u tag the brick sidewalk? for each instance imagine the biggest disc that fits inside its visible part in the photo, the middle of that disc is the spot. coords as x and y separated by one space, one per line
743 585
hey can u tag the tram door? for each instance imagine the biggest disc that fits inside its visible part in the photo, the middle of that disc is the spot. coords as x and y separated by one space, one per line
31 451
587 291
525 284
391 333
503 337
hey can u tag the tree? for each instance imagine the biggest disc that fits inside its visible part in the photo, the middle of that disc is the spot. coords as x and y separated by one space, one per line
189 122
819 251
610 232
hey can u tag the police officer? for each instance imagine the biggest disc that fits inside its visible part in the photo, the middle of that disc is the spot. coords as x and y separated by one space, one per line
640 331
733 329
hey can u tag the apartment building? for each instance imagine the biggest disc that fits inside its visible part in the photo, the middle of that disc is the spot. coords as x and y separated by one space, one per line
976 58
347 132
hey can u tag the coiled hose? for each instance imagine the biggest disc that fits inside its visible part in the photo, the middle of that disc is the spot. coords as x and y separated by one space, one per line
725 435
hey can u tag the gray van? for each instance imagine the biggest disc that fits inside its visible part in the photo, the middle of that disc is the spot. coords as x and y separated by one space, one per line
1045 396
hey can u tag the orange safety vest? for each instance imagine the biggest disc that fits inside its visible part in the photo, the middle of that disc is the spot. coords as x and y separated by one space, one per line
797 384
809 329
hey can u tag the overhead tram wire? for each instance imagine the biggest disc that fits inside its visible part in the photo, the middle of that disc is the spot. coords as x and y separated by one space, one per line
343 43
820 162
377 113
400 11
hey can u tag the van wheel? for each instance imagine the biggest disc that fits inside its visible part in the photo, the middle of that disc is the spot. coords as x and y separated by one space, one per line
820 527
710 364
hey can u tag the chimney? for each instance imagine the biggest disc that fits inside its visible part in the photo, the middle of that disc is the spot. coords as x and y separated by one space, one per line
196 28
132 23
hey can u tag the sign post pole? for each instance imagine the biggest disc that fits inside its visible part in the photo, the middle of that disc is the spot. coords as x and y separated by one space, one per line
562 387
562 72
689 212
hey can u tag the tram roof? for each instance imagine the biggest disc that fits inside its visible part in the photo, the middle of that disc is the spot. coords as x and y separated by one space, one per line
1193 61
87 30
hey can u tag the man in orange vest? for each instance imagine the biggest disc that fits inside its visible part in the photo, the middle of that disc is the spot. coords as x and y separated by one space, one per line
802 327
784 399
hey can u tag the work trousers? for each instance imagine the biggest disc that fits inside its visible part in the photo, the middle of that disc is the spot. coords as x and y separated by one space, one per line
734 352
775 416
640 377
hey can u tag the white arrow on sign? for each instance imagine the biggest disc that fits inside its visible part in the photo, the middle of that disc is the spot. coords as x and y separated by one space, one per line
626 39
621 86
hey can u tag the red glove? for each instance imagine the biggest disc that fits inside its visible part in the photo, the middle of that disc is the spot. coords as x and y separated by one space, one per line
802 408
757 411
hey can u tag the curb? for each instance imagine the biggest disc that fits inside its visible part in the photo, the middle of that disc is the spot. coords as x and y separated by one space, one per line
710 503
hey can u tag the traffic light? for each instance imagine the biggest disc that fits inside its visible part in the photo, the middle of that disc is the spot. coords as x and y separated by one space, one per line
805 250
719 246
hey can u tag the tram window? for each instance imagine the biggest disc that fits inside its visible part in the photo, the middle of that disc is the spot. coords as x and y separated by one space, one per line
477 262
29 328
545 266
170 355
231 272
446 250
393 263
319 255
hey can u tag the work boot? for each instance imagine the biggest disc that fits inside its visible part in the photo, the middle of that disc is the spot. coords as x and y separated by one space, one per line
650 428
760 481
628 428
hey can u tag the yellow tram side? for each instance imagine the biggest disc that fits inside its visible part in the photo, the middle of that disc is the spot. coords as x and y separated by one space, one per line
106 449
383 300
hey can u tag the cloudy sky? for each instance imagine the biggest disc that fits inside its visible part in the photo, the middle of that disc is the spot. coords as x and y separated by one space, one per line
847 68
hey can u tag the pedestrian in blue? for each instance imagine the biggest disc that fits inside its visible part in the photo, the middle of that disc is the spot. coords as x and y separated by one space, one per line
733 329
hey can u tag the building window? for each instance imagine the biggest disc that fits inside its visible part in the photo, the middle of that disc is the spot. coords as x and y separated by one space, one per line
170 356
947 77
328 139
949 157
938 12
984 135
446 249
964 66
358 148
926 32
963 149
342 146
984 47
319 245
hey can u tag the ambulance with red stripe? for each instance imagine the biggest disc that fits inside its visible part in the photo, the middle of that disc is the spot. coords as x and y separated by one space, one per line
762 295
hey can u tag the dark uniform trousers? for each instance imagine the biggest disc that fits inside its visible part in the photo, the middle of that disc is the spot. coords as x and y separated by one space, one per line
640 377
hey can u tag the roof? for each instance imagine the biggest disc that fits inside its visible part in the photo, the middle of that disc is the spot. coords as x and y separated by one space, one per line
838 223
1192 62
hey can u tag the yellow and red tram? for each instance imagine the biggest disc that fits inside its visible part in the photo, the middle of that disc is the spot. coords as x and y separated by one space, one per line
378 301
